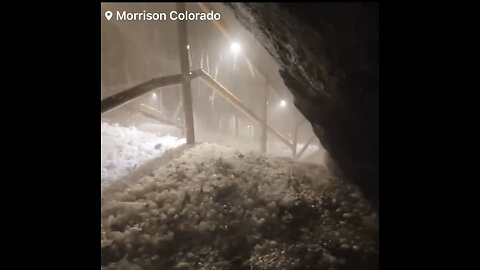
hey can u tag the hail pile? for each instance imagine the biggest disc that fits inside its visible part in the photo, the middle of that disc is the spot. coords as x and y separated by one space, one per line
217 208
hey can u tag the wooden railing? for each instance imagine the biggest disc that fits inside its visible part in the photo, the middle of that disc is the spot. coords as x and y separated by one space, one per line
126 96
185 78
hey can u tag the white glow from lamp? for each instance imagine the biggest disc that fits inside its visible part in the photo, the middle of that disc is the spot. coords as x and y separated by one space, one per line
235 47
283 103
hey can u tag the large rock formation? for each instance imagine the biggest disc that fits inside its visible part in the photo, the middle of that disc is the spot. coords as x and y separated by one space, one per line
328 58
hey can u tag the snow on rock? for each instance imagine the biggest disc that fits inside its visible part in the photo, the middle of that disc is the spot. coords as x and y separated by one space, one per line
124 149
217 208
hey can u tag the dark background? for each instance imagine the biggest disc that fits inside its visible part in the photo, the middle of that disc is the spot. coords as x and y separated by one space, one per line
52 195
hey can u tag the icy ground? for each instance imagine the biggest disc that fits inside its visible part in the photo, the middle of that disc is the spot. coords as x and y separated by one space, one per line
124 149
217 208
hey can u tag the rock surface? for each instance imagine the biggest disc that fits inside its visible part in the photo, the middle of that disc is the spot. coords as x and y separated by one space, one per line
328 58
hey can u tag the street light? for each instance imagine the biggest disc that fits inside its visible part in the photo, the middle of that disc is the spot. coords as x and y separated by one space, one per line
235 47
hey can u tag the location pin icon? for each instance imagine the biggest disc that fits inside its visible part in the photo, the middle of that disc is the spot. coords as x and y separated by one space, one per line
108 14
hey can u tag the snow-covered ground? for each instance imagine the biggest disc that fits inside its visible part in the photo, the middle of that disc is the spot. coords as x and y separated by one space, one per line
314 153
281 150
215 207
138 139
127 148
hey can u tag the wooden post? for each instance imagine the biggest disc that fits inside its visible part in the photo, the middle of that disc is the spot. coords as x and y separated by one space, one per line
295 137
298 123
264 114
306 145
185 70
233 100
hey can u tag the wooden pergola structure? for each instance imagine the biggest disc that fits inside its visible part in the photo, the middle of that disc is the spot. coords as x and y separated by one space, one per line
185 77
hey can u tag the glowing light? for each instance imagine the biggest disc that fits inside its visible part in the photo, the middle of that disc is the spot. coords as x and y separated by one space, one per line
188 47
235 47
283 103
154 95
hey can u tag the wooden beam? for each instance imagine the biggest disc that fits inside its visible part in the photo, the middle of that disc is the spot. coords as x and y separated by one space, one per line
219 26
206 78
119 99
306 146
298 123
136 91
123 97
185 70
295 138
150 111
206 7
156 114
